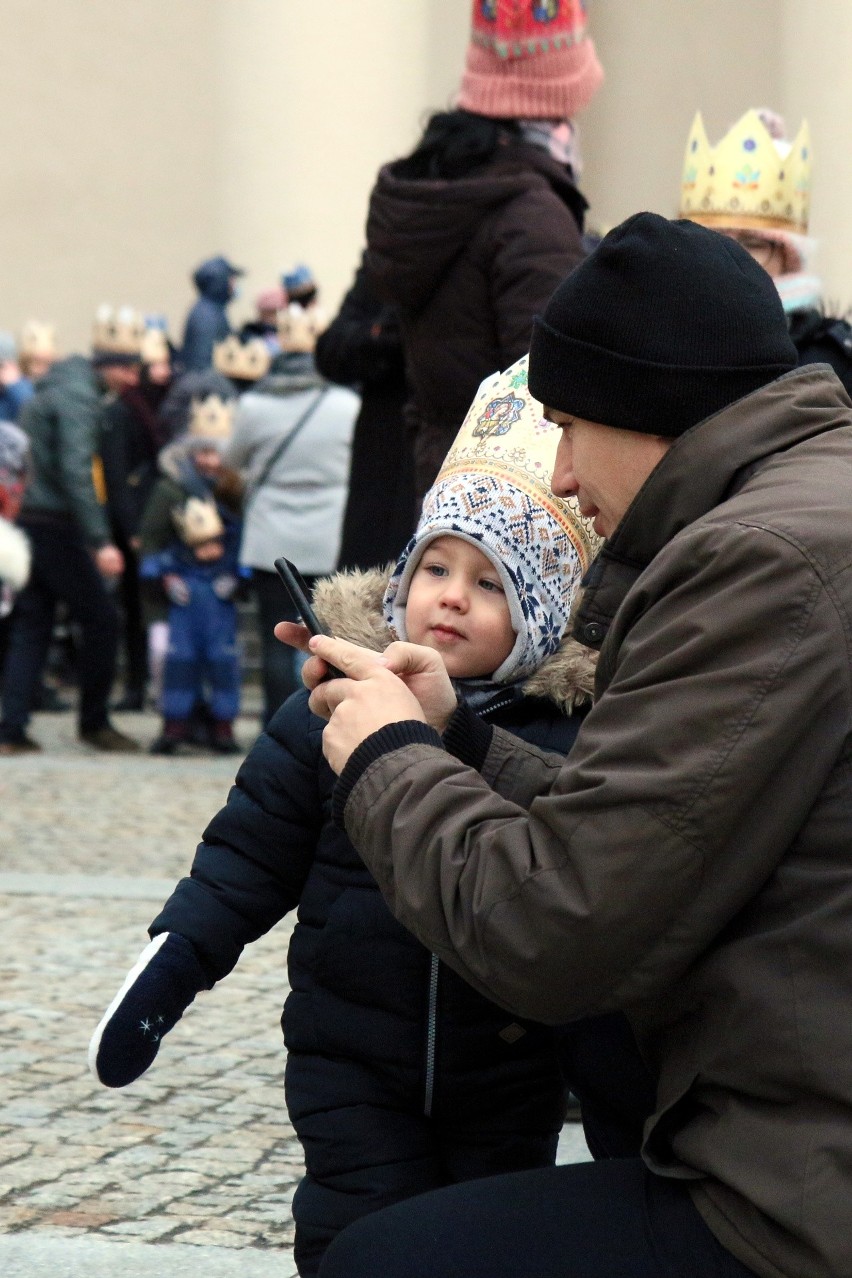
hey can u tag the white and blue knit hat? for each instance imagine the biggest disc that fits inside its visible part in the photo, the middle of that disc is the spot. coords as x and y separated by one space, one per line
493 491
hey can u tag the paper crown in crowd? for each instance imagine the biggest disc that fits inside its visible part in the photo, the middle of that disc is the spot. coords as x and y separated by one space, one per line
243 361
197 521
751 180
493 489
211 419
155 346
299 327
38 340
529 59
118 332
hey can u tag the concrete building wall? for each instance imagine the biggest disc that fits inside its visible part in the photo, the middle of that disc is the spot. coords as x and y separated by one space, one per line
141 138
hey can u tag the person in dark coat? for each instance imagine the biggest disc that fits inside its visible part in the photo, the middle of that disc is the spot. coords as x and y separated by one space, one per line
133 436
770 221
399 1077
470 234
362 348
207 322
64 516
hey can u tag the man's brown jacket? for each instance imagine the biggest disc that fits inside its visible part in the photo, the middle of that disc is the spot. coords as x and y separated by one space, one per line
691 862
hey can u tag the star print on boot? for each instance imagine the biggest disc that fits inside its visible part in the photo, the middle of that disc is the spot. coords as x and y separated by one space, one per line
153 998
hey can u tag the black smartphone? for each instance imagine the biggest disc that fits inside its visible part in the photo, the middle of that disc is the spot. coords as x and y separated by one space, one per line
297 589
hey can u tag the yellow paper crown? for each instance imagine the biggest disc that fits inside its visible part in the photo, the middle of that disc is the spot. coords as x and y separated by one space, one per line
211 418
300 326
749 180
197 521
155 347
118 332
38 339
246 361
505 435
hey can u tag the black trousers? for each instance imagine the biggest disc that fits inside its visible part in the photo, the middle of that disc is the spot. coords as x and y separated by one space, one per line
62 569
607 1219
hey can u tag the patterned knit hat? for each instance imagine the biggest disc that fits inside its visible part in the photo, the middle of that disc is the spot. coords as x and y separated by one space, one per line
493 491
529 59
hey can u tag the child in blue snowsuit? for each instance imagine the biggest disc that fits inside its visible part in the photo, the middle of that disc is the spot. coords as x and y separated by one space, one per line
400 1078
199 573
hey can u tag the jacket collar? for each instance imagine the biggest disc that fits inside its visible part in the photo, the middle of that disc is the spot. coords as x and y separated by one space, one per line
707 464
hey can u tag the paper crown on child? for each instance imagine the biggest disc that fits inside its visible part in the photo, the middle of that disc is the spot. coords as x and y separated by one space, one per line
118 332
211 419
299 328
155 346
493 490
529 59
38 340
197 521
750 180
243 361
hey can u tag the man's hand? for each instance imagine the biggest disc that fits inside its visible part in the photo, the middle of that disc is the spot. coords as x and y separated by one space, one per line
109 561
421 669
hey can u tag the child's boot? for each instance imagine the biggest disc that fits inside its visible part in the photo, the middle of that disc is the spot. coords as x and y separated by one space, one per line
222 738
175 733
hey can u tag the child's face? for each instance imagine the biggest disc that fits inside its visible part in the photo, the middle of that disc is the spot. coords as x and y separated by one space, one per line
457 606
207 552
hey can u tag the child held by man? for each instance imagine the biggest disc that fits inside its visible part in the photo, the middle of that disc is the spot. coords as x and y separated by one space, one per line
400 1078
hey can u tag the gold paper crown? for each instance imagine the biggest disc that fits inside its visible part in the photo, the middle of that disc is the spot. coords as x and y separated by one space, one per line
749 180
247 361
211 418
155 347
197 521
506 435
38 340
299 327
118 332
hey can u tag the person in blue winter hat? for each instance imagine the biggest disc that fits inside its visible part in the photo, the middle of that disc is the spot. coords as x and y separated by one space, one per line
400 1078
207 321
300 285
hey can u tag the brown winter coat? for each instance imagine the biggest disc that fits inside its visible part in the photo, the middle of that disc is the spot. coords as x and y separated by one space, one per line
467 263
691 861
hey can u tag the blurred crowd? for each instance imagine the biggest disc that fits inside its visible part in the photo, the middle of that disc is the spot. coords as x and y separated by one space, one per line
156 479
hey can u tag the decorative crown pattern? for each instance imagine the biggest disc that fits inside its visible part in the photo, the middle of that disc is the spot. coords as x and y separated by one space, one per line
749 179
505 435
197 521
118 332
517 28
245 361
211 418
38 339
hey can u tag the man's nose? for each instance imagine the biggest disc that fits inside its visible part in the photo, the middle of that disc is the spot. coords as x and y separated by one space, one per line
563 483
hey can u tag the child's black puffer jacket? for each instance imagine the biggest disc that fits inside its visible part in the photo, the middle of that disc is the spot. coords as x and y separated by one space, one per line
399 1078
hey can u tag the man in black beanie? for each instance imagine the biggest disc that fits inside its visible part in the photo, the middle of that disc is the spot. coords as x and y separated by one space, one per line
689 865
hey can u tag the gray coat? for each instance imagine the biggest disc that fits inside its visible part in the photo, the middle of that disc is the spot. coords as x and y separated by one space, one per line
298 509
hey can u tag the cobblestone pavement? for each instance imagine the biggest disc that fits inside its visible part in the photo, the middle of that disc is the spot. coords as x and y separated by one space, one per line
199 1152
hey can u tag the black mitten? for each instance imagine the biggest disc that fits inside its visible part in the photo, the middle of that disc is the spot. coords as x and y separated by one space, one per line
154 997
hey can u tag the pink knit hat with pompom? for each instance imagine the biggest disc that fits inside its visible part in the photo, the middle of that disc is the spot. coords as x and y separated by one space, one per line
529 60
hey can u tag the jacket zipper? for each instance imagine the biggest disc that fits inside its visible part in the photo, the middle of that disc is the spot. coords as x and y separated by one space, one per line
431 1035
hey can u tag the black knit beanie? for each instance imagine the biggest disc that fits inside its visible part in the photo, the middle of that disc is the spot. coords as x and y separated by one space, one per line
662 325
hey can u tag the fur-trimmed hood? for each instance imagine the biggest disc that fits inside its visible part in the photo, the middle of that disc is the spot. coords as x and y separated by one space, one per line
14 556
350 605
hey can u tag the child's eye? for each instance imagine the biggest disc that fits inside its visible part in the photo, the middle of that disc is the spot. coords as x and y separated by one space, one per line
491 585
436 570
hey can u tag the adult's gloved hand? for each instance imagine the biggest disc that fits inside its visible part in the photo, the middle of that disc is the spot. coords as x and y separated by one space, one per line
154 997
177 590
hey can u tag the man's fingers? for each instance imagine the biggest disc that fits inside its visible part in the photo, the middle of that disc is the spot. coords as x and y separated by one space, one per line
354 662
412 658
293 634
